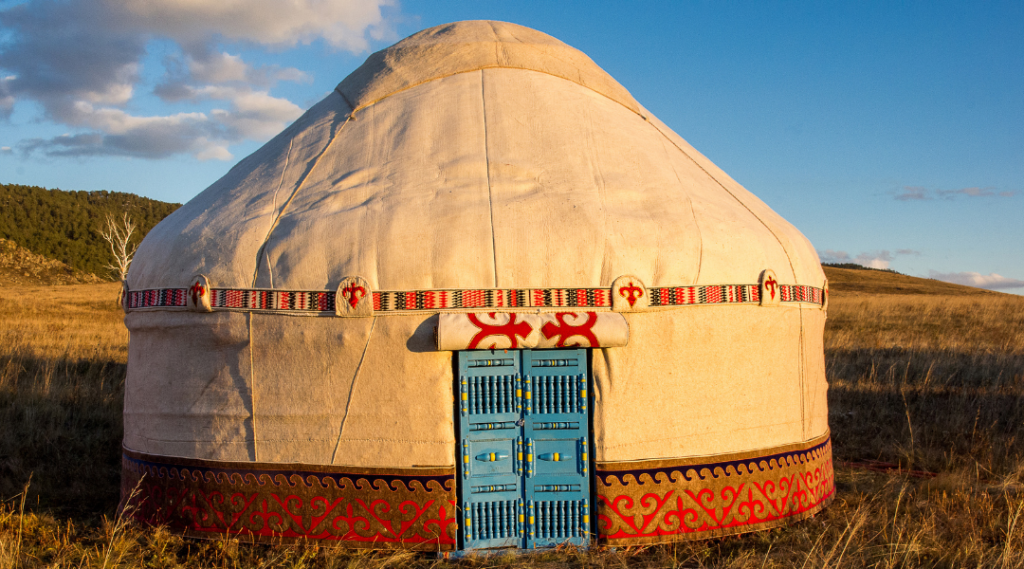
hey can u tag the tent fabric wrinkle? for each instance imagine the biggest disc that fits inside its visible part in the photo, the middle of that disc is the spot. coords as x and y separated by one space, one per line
487 162
252 391
261 255
355 376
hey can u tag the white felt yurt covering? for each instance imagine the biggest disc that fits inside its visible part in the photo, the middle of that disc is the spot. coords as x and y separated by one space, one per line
299 315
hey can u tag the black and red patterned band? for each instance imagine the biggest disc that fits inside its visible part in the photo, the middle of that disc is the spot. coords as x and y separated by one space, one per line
392 302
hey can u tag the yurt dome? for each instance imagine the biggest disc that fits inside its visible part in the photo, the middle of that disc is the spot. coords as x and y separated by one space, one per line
476 297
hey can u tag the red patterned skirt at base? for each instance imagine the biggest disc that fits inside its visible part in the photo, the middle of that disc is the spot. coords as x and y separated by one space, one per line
674 500
364 508
636 502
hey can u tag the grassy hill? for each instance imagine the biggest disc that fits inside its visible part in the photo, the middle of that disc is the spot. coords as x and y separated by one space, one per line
847 281
21 267
66 226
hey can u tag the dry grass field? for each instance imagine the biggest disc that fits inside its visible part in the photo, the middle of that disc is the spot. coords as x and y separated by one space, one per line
926 410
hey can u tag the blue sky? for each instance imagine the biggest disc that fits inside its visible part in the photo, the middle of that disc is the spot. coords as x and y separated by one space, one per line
890 133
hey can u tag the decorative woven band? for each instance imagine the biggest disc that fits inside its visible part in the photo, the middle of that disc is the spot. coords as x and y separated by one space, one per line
717 294
711 294
403 301
664 501
367 508
392 302
802 293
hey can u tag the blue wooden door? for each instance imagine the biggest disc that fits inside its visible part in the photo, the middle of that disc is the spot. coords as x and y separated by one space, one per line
490 488
523 426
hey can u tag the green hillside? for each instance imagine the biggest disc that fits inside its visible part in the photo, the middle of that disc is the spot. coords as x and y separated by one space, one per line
66 225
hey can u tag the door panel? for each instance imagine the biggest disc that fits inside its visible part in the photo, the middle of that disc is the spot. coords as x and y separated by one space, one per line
490 489
556 457
491 458
556 426
523 428
495 524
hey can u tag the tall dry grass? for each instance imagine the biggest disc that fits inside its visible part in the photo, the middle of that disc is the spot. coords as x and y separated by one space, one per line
936 383
63 352
925 409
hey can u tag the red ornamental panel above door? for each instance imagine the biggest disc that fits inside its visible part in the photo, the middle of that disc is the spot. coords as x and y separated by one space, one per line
516 330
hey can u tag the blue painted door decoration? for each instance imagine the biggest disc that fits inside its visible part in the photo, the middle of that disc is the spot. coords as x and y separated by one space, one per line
523 424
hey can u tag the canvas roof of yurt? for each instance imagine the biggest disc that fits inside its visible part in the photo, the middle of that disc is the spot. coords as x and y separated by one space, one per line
475 158
477 154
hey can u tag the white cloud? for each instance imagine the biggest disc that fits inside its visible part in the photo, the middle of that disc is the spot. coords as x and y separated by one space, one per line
877 261
62 52
118 122
991 281
140 137
908 193
218 68
6 97
918 193
80 60
211 150
833 256
5 150
252 115
342 23
256 114
188 73
874 260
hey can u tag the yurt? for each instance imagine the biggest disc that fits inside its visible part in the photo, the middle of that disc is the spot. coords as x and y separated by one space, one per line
476 297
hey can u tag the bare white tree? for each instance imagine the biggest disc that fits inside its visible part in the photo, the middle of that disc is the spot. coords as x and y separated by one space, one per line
119 234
